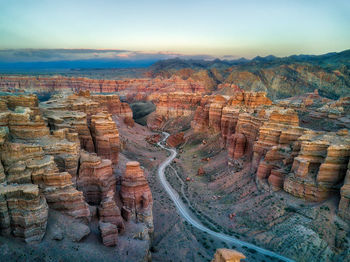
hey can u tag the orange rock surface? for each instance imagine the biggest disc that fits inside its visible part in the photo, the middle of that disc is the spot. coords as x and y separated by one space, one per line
176 139
320 166
227 255
136 195
95 179
105 135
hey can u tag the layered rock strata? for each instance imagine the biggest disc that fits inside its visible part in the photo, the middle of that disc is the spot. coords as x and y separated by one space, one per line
95 178
133 89
105 136
273 150
320 166
23 212
136 195
41 156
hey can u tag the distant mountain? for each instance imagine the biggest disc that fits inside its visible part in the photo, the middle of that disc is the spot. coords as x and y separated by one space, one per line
325 60
264 59
279 76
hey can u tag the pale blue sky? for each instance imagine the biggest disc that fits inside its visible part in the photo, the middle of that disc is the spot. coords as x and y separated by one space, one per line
216 27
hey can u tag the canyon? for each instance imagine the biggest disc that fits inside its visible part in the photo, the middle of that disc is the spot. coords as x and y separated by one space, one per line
271 172
62 156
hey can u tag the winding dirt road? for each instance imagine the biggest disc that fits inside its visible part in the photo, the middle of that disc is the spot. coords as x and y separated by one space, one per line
190 218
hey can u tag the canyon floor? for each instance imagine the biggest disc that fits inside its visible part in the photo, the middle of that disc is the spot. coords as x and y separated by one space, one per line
174 238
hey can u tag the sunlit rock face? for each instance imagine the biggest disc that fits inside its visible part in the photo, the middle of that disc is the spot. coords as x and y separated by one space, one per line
227 255
96 129
132 89
74 122
136 195
113 105
176 139
320 166
44 165
105 136
30 156
273 150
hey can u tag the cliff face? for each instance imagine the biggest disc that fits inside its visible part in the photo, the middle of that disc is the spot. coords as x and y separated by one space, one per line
84 114
42 165
320 166
273 150
171 105
132 89
105 136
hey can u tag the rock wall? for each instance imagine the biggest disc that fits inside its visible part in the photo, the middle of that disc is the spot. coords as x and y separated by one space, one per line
132 89
176 139
273 150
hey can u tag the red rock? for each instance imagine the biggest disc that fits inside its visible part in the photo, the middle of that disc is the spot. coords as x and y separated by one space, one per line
23 212
200 171
153 139
344 204
109 234
109 213
320 166
176 139
106 137
237 145
96 179
136 194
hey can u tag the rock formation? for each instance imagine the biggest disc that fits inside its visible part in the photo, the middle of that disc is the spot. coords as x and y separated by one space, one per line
273 149
75 122
23 212
95 178
136 195
133 89
113 105
227 255
176 139
109 234
320 165
106 137
42 166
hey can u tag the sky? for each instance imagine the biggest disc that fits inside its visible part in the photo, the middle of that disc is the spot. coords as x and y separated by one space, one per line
216 28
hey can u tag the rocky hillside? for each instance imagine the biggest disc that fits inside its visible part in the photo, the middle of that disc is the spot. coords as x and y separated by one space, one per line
279 77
